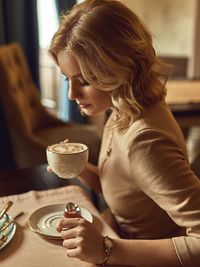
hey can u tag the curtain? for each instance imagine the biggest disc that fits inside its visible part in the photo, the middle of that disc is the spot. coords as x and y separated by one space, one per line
18 23
69 110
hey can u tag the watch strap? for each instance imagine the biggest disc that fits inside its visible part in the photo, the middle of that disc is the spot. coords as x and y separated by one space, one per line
108 246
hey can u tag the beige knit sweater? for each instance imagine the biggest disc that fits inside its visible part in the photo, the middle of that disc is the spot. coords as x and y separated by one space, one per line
148 184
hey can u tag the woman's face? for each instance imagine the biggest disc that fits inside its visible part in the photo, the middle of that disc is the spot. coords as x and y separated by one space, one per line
90 100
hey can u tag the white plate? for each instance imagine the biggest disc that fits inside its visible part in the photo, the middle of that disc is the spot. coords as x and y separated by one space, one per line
44 220
9 231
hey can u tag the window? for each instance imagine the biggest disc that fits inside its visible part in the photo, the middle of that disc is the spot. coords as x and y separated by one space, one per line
49 73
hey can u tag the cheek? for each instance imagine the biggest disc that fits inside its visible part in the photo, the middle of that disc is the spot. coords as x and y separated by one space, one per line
103 97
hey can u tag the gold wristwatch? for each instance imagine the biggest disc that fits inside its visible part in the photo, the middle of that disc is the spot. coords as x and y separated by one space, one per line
108 246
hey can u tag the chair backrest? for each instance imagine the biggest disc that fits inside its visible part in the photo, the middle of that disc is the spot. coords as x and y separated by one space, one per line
18 94
180 66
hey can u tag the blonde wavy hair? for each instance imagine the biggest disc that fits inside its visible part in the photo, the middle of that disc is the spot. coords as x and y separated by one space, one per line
114 51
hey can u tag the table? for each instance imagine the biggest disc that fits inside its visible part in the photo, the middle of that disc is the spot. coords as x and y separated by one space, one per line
183 98
18 181
27 248
36 178
183 92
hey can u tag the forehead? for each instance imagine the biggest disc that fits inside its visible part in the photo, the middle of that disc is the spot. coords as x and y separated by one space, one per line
68 64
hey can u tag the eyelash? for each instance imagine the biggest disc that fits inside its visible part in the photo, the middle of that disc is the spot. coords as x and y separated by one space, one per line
84 84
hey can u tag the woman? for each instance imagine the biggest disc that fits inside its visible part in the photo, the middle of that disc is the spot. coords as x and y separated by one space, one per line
106 52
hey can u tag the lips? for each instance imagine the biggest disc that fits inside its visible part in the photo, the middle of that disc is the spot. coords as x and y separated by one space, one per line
84 105
81 103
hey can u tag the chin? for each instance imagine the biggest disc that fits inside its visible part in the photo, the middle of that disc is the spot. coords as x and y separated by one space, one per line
87 112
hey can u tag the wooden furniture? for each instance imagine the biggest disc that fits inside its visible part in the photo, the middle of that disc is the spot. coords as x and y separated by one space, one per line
183 92
179 66
34 178
37 178
183 97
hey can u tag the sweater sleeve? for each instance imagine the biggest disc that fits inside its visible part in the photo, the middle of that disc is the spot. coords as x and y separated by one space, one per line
161 169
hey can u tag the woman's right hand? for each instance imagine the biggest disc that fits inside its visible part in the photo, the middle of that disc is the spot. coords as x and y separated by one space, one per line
80 238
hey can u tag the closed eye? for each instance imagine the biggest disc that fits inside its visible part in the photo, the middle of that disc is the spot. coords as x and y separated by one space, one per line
84 83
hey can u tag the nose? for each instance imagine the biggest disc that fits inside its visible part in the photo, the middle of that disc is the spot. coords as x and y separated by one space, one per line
74 90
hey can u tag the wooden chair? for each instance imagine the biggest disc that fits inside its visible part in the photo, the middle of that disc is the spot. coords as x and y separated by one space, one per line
31 127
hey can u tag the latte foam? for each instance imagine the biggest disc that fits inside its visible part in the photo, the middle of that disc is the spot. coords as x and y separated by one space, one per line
67 148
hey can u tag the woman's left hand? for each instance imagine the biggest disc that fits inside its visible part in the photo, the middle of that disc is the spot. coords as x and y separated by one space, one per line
81 240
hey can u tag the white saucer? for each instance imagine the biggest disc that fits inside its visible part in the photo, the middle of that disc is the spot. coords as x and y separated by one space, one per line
43 221
9 231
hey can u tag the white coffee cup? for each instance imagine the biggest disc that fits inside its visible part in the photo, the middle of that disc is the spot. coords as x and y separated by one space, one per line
67 160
